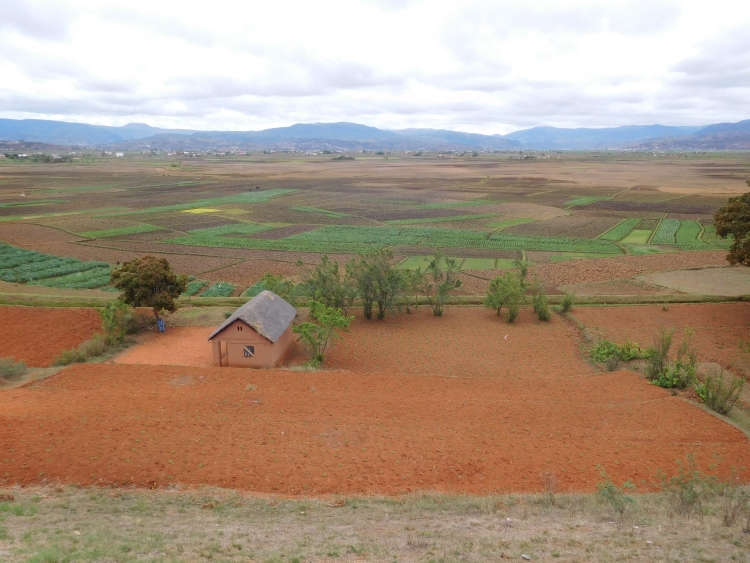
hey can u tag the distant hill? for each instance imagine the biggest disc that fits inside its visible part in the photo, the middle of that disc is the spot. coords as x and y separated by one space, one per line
588 138
65 133
353 136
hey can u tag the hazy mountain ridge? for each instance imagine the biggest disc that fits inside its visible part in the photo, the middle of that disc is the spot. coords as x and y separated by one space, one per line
354 136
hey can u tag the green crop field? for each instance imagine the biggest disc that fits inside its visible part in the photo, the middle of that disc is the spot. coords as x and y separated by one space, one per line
325 212
451 205
31 203
194 287
18 265
584 200
219 289
122 231
504 224
441 219
620 231
665 233
246 197
637 236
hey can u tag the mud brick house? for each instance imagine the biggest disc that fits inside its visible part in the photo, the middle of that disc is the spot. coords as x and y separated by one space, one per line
258 334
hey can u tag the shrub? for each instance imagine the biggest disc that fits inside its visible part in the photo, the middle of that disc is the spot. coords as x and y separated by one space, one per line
735 498
567 303
96 347
320 331
718 394
606 350
219 289
690 488
614 495
681 373
658 360
507 290
11 370
116 320
441 279
540 301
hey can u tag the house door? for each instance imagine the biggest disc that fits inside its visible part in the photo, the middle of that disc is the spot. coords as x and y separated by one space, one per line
223 354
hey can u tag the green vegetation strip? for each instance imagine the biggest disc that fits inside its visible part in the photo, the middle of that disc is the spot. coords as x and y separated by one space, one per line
666 232
354 239
441 219
122 231
620 231
584 200
31 203
504 224
246 197
18 265
450 205
219 289
321 211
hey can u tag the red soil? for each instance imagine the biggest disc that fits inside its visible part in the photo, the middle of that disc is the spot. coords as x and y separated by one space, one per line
179 346
37 335
718 327
442 404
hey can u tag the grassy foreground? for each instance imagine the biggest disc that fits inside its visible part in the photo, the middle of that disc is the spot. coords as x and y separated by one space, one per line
61 524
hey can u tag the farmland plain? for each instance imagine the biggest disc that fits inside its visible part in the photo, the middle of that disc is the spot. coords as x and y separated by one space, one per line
234 218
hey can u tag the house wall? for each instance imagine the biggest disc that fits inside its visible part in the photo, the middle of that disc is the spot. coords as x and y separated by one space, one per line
238 335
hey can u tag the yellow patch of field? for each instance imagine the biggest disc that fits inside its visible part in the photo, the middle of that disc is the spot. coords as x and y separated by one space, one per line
235 211
201 210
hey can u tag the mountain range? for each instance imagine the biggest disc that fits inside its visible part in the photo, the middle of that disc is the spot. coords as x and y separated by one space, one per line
353 136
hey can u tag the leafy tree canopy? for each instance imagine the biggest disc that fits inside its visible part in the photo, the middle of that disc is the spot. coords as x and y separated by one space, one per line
148 282
734 219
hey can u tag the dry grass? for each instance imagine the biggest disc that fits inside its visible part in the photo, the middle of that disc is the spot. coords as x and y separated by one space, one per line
69 524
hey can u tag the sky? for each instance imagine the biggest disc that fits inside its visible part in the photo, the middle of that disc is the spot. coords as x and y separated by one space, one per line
469 65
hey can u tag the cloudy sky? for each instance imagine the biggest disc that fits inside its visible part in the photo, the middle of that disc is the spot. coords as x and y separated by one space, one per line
481 66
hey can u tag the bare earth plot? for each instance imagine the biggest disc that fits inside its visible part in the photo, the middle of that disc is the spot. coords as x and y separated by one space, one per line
713 281
427 404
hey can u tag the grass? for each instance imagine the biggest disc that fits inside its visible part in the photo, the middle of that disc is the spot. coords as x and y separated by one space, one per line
10 370
325 212
31 203
121 231
46 525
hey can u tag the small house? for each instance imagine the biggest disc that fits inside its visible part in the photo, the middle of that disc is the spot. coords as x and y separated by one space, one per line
258 334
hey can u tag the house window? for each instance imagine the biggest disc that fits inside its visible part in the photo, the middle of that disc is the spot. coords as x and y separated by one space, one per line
239 327
249 351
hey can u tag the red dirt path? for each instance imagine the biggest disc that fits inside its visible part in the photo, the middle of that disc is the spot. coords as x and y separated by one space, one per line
37 335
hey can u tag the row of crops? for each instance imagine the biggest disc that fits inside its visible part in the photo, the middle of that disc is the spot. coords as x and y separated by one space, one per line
683 233
246 197
18 265
357 239
121 231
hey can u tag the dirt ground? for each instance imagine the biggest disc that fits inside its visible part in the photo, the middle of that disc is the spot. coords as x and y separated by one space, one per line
709 281
718 327
179 346
37 335
462 408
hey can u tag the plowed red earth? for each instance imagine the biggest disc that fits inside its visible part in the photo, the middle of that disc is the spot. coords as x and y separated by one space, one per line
37 335
717 327
416 423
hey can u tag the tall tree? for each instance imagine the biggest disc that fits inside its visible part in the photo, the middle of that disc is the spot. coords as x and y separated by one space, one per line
378 281
734 219
321 330
148 282
326 284
440 280
506 290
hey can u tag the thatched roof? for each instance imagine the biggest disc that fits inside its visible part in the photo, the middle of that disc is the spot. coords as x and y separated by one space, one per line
266 313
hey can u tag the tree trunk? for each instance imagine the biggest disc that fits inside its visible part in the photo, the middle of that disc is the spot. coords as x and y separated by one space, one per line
156 313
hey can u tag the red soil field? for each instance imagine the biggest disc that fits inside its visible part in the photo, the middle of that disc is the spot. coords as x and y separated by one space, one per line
301 433
718 327
37 335
411 403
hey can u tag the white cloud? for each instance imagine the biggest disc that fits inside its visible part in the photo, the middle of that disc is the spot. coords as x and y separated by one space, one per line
476 65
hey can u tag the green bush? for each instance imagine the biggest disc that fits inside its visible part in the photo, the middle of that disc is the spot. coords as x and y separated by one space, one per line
680 374
540 301
718 394
116 318
219 289
658 361
607 350
93 348
11 370
614 495
567 302
690 488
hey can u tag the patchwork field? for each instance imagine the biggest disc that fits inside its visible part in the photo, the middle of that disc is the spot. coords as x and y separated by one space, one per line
237 218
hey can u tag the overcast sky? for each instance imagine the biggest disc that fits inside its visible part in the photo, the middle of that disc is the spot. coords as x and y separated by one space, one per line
480 66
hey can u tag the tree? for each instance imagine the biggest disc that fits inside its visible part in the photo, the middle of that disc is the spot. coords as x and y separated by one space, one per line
148 282
320 330
281 286
441 278
507 290
326 284
377 281
413 282
734 219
